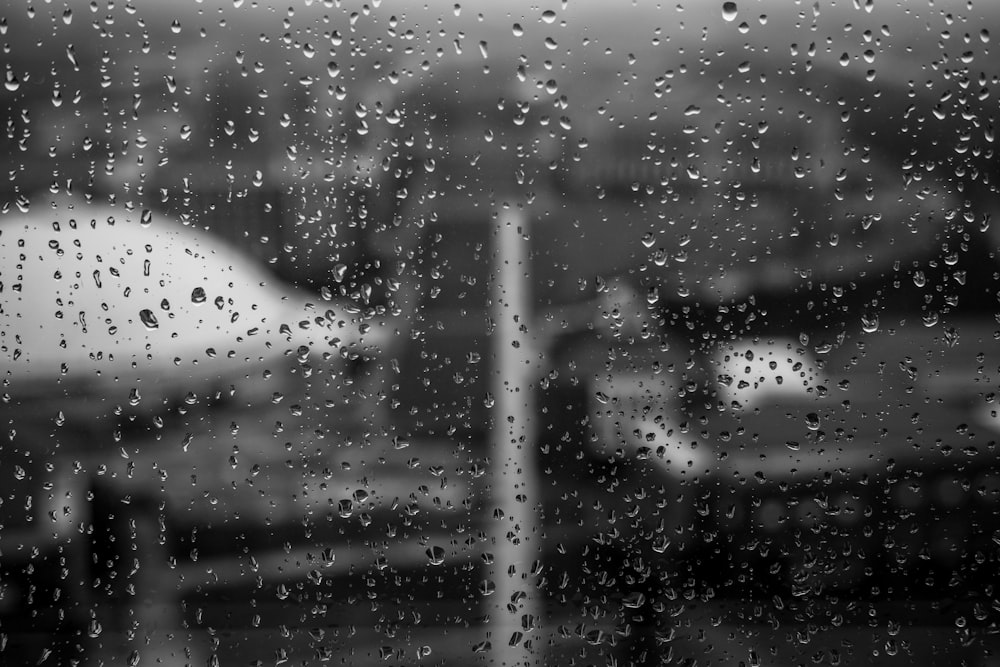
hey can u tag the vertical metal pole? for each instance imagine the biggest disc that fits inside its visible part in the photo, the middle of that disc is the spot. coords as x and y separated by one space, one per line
515 609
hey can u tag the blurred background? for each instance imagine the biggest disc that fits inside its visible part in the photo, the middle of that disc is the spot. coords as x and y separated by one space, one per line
553 333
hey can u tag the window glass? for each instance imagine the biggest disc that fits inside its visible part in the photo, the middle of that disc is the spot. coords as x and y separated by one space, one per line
500 333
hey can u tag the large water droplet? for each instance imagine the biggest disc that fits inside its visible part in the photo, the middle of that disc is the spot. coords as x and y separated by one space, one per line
148 318
11 82
729 11
435 555
869 322
812 421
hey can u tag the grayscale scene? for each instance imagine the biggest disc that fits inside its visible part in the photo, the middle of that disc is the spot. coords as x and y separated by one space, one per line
500 333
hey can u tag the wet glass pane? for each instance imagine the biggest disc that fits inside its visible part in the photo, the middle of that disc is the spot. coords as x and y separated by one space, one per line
499 333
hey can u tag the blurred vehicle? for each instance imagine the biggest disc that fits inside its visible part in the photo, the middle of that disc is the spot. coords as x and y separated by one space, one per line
131 345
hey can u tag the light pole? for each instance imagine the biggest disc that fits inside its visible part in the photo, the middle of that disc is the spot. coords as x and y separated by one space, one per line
515 609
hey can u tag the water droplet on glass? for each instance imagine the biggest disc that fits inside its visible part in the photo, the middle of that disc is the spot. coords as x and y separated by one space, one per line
435 555
869 322
146 218
634 600
148 318
11 82
345 508
198 295
548 16
812 421
729 11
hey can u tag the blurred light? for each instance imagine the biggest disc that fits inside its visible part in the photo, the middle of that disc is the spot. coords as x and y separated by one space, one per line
949 492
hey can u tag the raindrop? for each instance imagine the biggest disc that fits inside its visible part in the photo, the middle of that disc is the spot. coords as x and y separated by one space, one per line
435 555
345 508
198 295
11 82
146 218
729 11
812 421
634 600
148 318
517 30
549 16
869 322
